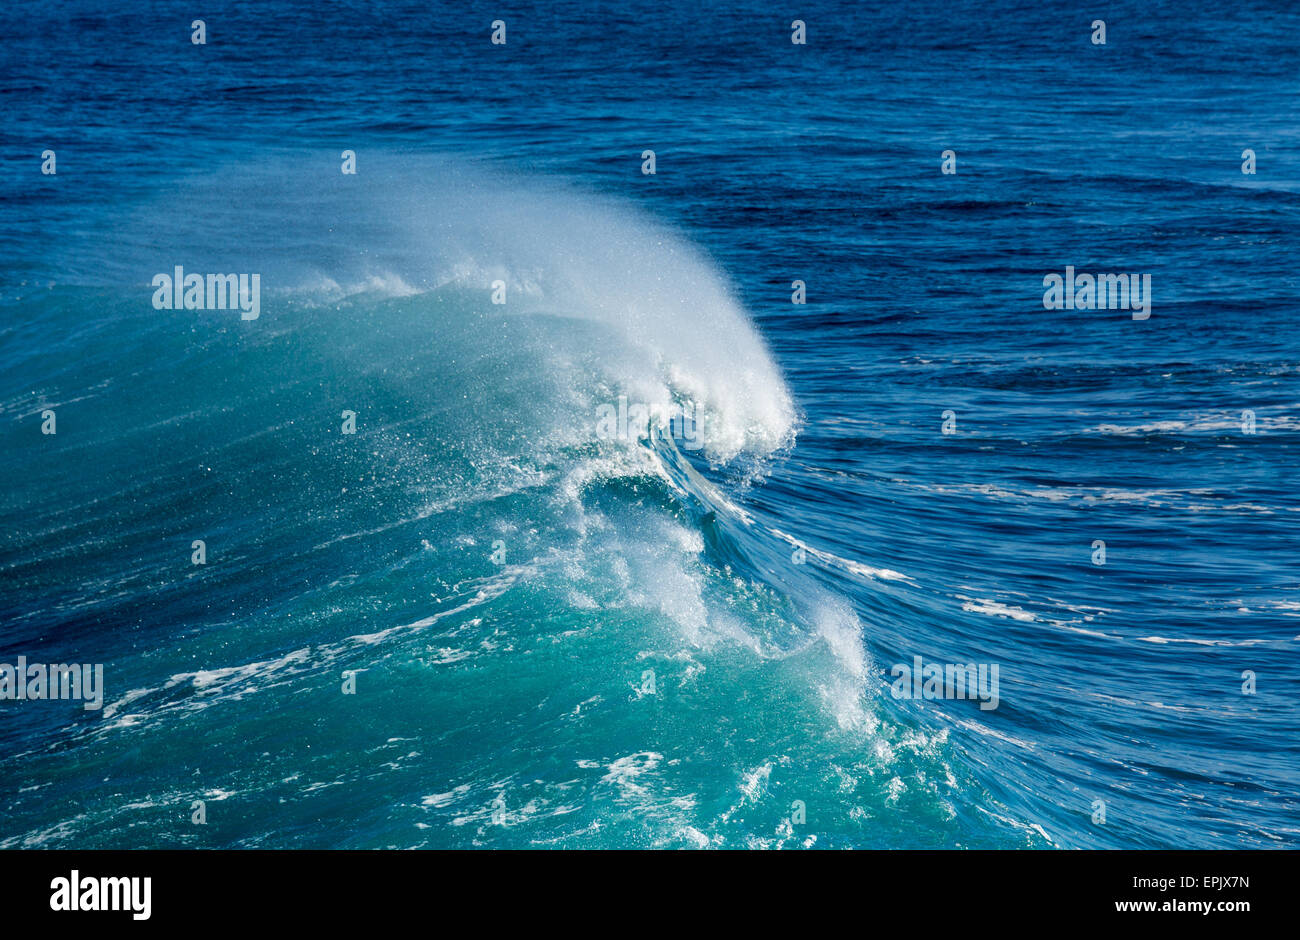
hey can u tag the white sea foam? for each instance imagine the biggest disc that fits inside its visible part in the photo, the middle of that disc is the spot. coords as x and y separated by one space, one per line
671 327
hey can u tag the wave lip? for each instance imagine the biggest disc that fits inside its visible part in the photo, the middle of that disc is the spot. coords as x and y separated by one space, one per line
670 330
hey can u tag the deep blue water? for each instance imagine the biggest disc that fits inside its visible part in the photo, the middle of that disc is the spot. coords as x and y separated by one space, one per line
500 580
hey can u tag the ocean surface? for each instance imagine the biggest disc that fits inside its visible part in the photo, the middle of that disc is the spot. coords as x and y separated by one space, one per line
483 619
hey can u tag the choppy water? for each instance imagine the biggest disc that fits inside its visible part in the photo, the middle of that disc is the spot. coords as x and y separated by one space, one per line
562 639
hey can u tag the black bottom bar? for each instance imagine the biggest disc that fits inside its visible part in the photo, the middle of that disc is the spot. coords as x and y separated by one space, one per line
335 890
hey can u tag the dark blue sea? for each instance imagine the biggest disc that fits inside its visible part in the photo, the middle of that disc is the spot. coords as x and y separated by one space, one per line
537 500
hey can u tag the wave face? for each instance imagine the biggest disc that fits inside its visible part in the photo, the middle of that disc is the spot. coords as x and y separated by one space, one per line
558 633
